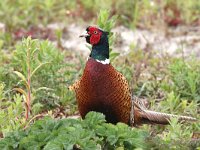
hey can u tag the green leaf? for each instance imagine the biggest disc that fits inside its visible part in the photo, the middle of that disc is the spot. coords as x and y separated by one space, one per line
21 91
91 133
43 88
53 146
112 139
37 107
113 55
93 118
38 67
22 77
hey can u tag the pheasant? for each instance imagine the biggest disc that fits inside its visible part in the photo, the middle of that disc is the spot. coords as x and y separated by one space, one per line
104 89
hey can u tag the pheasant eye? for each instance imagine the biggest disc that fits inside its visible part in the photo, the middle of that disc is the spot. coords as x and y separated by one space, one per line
95 32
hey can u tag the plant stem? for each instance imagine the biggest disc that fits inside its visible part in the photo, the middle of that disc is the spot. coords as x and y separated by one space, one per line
29 84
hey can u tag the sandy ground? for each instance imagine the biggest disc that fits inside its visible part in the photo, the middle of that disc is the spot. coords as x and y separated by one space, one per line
176 39
170 40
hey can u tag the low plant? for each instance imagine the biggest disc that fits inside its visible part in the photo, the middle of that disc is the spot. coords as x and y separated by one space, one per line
185 75
42 73
175 136
183 11
174 104
11 113
90 133
23 13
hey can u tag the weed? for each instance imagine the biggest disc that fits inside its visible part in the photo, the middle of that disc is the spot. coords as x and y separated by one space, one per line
175 135
186 78
42 70
10 113
91 133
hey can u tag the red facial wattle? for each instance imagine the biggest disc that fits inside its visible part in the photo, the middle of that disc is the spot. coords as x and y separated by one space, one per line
95 35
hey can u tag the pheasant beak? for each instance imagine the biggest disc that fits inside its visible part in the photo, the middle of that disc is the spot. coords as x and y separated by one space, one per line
84 34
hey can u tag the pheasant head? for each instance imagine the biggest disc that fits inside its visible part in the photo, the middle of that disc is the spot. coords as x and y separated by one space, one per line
99 41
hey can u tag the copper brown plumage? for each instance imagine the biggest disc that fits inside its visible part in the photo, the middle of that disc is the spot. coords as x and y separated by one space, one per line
103 89
105 92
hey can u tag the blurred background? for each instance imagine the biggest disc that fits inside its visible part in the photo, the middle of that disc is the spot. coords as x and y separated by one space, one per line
163 25
154 43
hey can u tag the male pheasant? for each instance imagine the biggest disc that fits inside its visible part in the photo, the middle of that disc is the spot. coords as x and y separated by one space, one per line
103 89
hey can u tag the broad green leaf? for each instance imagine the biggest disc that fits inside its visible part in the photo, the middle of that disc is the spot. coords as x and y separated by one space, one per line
53 146
93 118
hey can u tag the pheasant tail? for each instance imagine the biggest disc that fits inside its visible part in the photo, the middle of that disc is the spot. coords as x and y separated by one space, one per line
151 117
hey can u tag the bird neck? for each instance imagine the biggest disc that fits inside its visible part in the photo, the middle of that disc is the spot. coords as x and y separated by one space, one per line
100 51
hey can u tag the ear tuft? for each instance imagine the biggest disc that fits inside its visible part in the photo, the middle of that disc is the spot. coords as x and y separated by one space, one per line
87 29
